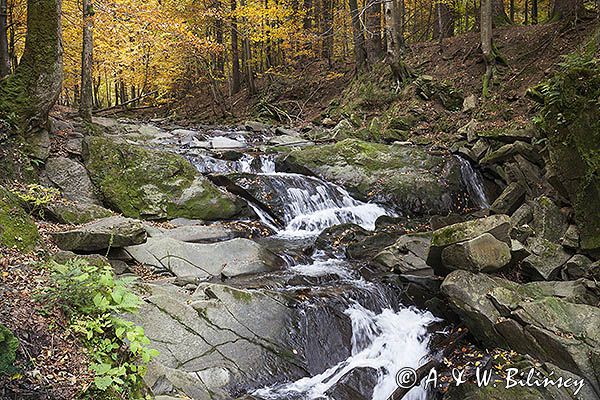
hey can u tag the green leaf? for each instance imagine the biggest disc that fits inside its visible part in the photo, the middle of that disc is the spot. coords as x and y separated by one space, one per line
103 382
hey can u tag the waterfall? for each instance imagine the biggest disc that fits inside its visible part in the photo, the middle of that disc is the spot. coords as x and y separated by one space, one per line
385 342
472 180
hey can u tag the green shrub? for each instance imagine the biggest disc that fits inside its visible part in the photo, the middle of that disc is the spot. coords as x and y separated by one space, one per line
8 350
36 197
94 300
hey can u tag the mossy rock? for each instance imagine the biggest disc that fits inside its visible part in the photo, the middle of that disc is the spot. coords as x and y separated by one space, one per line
8 350
570 120
145 183
17 228
409 177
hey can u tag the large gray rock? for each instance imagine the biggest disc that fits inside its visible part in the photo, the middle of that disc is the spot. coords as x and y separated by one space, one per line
579 266
498 226
75 213
551 321
484 253
411 178
140 182
230 258
509 200
201 233
222 143
72 179
546 259
548 221
102 234
407 255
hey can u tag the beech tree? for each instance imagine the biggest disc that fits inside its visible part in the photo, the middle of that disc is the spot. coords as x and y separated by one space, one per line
27 96
86 102
4 55
567 9
486 21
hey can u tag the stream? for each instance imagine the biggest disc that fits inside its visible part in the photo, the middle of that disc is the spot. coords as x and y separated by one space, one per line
385 335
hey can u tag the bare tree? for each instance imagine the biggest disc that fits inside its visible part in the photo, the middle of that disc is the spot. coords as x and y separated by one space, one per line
360 51
4 56
395 42
27 96
373 30
87 100
235 52
486 22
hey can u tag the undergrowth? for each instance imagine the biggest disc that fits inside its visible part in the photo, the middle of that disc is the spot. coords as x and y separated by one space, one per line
94 301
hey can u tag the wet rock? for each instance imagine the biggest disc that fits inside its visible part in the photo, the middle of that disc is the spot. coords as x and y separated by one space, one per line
497 225
407 254
579 266
548 220
484 253
285 131
550 321
75 213
140 182
546 259
415 181
440 221
510 199
230 258
17 228
72 179
287 140
102 234
222 143
479 150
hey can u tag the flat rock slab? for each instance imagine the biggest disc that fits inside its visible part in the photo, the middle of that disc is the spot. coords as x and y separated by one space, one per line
105 233
200 233
230 258
72 179
222 142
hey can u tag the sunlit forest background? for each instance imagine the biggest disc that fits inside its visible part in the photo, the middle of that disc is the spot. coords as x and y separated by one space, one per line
160 49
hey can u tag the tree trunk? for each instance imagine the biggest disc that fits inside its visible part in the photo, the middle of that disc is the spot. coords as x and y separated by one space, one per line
4 56
373 23
235 53
486 22
218 25
86 104
327 31
512 11
29 94
394 42
534 12
567 9
444 21
499 14
360 52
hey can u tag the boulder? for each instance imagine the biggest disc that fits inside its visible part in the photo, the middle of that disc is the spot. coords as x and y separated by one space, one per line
484 253
510 150
201 233
287 140
406 255
72 179
570 238
409 177
551 321
469 103
17 228
546 259
222 143
509 200
256 126
103 234
510 134
230 258
548 220
140 182
498 226
572 126
75 213
579 266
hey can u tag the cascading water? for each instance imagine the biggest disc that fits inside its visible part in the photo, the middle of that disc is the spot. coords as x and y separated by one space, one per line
385 340
472 180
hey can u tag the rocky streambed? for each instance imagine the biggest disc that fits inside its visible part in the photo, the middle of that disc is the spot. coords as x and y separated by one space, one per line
278 268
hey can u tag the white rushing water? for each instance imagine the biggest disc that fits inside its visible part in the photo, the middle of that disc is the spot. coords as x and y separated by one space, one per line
474 183
385 342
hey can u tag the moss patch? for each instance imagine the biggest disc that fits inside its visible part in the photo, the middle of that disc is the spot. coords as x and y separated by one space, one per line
17 229
140 182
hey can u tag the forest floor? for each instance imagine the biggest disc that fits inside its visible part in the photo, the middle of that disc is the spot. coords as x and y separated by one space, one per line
309 92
